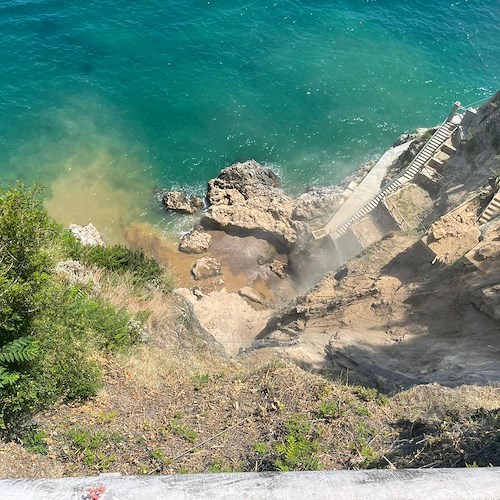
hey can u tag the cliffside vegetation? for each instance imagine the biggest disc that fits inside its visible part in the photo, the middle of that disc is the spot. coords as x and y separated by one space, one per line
106 371
55 334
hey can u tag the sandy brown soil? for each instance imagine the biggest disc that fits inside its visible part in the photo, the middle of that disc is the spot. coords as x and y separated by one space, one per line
232 320
422 323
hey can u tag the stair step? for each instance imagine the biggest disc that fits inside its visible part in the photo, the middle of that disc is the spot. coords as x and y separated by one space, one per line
449 150
435 163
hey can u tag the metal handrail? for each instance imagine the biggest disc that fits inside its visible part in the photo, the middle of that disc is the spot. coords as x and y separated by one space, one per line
380 194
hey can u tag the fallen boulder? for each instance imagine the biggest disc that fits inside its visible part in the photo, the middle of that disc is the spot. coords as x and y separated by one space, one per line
252 294
206 267
195 242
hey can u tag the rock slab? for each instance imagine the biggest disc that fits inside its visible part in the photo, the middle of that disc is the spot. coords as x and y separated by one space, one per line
252 294
178 201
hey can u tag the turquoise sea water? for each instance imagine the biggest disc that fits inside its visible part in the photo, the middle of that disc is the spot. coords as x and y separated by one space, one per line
104 101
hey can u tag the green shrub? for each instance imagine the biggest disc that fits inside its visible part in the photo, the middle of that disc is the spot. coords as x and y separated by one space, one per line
34 441
120 259
182 430
329 411
296 450
92 447
51 336
370 394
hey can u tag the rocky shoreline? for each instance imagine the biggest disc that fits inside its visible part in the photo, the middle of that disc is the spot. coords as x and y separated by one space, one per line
246 200
249 244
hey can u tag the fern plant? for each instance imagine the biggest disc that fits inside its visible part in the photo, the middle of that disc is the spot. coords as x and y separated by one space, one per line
7 377
20 350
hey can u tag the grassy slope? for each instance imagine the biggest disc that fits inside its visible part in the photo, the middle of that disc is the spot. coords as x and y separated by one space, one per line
173 403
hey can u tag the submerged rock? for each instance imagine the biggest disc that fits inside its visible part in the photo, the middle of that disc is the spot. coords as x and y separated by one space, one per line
177 201
246 198
87 235
195 242
206 267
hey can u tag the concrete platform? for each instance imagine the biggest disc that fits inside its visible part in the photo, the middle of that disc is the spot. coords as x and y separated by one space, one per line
425 484
367 188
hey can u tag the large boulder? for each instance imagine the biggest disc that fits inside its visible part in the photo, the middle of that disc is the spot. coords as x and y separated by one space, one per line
206 267
178 201
246 198
487 251
318 203
87 235
195 242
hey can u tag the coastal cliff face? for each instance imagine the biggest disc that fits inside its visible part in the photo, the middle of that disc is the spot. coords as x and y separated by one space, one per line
221 381
418 306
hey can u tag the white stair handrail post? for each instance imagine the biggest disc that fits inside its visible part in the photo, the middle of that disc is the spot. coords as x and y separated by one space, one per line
453 111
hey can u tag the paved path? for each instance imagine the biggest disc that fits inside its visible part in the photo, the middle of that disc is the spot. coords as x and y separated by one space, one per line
337 226
367 188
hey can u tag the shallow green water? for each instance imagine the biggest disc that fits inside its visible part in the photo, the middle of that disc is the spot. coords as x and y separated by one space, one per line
105 101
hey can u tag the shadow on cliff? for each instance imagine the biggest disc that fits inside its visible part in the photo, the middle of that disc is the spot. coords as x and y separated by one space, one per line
442 337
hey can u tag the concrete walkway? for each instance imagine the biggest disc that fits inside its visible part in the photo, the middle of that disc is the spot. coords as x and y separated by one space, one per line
410 484
367 188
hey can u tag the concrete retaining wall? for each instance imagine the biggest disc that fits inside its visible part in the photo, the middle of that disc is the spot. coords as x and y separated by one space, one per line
425 484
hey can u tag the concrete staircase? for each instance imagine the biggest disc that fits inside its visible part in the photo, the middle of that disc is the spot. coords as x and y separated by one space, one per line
436 142
491 210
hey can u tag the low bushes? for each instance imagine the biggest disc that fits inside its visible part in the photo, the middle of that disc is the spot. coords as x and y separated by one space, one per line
144 271
53 336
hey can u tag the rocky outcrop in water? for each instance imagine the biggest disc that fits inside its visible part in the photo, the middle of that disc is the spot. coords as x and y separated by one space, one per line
246 199
177 201
87 235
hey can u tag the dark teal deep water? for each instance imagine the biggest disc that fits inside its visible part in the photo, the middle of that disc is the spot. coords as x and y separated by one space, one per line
103 101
